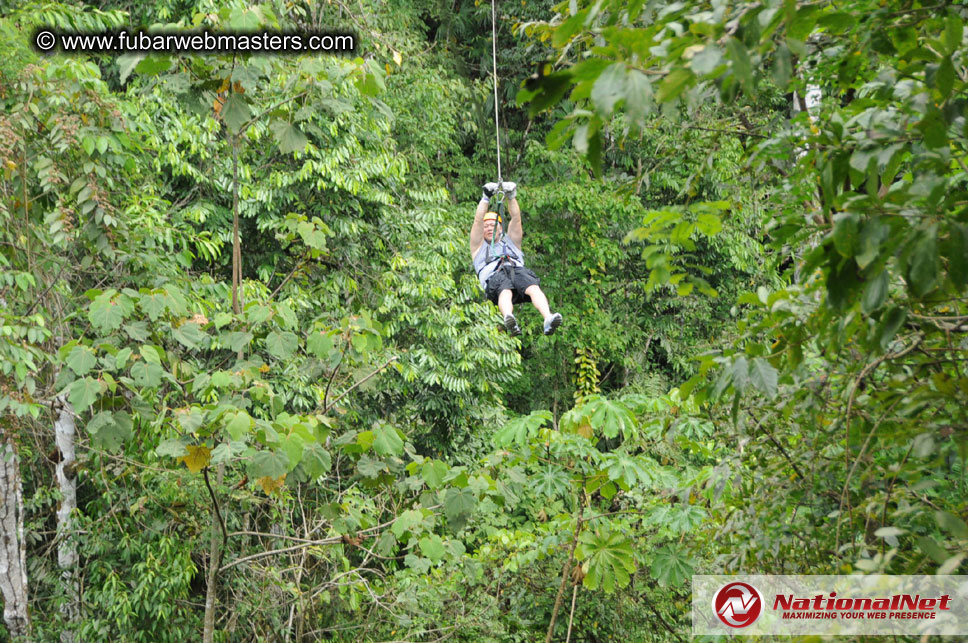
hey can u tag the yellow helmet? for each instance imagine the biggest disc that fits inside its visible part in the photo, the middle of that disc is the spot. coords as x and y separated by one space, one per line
493 216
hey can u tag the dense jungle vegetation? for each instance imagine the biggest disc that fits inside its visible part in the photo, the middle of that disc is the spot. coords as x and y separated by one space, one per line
251 389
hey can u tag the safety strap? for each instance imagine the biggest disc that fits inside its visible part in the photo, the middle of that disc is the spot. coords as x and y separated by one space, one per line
499 195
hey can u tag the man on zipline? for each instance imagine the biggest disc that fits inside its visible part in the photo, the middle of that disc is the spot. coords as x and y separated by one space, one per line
499 261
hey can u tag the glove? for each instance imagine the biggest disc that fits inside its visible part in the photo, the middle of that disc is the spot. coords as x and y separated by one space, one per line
489 190
510 189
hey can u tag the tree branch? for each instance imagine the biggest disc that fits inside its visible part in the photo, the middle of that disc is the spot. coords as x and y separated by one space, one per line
565 572
332 540
344 393
218 513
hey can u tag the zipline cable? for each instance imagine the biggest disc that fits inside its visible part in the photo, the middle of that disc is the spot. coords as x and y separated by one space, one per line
499 195
497 130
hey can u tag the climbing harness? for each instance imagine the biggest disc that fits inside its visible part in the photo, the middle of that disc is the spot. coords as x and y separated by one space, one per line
498 253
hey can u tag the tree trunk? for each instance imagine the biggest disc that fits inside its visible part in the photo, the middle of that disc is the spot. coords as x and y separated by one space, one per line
13 553
809 103
67 483
566 571
215 545
214 562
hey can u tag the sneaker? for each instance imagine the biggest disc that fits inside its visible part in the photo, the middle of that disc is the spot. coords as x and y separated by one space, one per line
511 326
552 323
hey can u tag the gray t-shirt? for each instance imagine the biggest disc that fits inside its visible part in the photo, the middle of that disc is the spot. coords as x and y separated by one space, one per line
487 259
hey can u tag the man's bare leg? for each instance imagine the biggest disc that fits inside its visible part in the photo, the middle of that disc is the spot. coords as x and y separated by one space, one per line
539 300
504 303
551 320
506 306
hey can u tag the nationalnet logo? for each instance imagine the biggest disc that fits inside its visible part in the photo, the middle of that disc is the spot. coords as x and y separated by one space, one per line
903 606
830 605
738 604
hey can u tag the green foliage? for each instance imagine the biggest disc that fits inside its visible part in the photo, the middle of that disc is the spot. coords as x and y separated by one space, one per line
385 460
608 560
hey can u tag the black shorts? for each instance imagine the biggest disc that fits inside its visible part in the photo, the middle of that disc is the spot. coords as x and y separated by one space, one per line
513 278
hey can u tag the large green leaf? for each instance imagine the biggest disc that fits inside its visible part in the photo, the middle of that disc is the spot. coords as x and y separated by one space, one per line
952 524
137 331
237 340
707 60
83 392
371 81
189 335
924 267
628 470
740 374
281 345
406 521
953 31
370 467
238 425
682 518
608 559
459 503
316 460
944 79
146 374
313 237
544 91
172 447
153 65
150 354
432 547
740 59
122 356
190 419
609 88
81 360
433 472
846 236
109 430
709 224
638 95
126 64
551 481
842 283
268 464
289 137
521 429
105 314
872 234
671 567
292 446
386 440
937 553
890 323
609 418
763 376
875 293
235 112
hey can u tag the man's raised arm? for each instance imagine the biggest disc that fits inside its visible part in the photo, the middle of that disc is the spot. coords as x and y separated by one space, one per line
477 230
515 229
